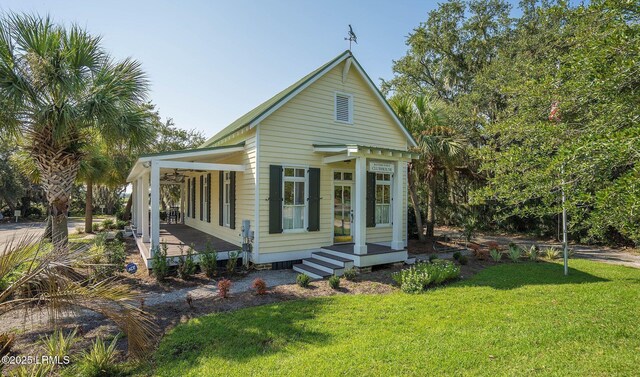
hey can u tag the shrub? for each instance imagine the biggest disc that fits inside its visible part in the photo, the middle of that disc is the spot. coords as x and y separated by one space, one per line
515 253
534 253
350 274
421 276
95 227
160 264
224 285
232 262
116 254
432 257
552 253
463 260
80 229
107 258
57 344
209 261
99 360
108 224
120 224
478 252
493 245
303 280
186 265
334 282
495 255
457 255
260 286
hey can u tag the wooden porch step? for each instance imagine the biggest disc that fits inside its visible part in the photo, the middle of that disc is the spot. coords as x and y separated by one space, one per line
311 272
319 264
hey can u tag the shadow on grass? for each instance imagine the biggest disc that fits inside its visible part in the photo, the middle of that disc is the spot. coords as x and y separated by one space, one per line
242 334
516 275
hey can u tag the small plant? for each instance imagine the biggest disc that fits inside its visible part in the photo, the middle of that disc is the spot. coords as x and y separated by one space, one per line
334 282
189 300
457 255
478 252
232 262
6 343
493 245
99 360
469 229
186 266
515 253
350 274
120 224
534 253
57 344
495 255
108 224
80 229
463 260
303 280
260 286
160 264
95 227
224 285
433 257
552 253
421 276
209 261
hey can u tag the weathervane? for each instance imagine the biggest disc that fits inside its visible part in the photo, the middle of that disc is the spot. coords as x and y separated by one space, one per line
351 37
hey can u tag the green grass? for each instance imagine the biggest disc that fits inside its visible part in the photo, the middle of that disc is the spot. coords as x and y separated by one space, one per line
511 319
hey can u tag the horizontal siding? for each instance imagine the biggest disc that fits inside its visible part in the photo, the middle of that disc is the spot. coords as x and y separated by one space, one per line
245 193
287 137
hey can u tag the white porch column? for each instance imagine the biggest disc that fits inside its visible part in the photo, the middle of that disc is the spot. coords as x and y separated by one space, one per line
134 202
360 204
155 206
139 205
145 208
182 200
398 203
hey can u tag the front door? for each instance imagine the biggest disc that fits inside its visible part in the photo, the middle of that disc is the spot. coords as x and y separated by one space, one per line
342 211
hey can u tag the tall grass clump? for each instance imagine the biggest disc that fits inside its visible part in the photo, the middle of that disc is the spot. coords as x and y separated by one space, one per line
421 276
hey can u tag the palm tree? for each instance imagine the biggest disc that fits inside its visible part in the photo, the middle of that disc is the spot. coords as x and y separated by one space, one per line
58 89
440 146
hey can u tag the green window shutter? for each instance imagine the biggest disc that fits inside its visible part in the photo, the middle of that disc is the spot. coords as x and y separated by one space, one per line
314 199
193 197
275 199
371 199
221 198
208 193
232 200
188 203
201 197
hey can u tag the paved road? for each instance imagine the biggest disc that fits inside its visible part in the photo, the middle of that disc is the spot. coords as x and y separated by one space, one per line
16 231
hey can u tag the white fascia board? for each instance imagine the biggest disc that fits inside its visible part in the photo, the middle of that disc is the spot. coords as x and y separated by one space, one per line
199 166
286 99
386 105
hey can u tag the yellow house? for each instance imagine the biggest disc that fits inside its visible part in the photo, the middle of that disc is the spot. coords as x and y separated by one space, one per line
315 178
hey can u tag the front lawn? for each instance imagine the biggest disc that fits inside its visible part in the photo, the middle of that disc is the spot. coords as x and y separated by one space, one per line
511 319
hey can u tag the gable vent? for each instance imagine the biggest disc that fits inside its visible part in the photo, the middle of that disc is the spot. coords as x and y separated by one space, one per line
343 108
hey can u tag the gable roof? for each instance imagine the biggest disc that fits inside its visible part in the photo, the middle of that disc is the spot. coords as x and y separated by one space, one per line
263 110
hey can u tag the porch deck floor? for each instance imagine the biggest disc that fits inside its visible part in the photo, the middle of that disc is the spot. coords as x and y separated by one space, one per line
177 235
372 248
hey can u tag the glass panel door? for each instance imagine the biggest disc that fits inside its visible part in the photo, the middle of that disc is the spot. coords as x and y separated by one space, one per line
342 215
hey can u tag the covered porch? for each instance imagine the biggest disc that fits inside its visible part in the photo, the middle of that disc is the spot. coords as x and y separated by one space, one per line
176 169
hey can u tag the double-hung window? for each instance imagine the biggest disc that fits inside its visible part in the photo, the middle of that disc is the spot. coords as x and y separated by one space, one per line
226 208
294 203
383 199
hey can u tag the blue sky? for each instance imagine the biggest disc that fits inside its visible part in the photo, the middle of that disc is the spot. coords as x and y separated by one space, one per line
209 62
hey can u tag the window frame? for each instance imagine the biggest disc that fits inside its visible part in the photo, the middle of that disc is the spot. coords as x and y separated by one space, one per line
389 184
294 179
205 199
349 107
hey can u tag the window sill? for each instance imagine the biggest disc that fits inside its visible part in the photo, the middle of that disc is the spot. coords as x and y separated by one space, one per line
294 231
342 122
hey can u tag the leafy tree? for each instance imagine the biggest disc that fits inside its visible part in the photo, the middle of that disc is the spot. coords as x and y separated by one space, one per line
58 90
